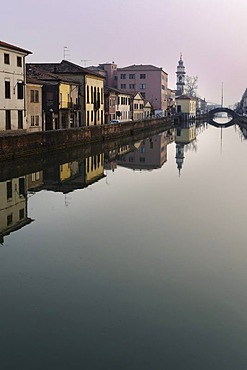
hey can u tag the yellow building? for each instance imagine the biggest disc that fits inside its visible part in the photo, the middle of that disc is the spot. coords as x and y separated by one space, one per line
186 106
94 86
90 102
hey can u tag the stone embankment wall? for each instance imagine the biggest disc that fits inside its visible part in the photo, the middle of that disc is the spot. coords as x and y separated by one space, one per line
17 145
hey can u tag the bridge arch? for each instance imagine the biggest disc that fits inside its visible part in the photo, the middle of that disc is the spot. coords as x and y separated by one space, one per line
229 111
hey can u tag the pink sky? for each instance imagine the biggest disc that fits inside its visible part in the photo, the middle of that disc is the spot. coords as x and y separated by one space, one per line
211 34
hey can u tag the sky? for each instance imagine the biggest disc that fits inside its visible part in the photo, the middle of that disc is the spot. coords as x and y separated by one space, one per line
210 34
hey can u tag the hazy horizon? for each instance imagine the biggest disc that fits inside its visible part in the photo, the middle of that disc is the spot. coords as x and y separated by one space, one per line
209 34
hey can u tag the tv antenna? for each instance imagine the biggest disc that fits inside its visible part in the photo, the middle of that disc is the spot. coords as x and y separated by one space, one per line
85 61
65 52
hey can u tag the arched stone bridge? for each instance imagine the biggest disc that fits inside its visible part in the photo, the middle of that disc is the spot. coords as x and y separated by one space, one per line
211 115
229 111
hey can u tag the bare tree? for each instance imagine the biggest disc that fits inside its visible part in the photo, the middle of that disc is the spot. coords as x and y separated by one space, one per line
191 85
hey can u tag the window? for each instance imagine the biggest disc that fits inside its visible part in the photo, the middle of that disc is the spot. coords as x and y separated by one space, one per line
22 186
92 116
123 86
19 62
21 214
35 96
88 118
91 94
7 89
144 95
20 119
8 120
142 76
123 76
88 100
10 219
9 190
142 86
35 176
142 159
6 59
20 90
132 76
132 86
135 106
50 98
34 120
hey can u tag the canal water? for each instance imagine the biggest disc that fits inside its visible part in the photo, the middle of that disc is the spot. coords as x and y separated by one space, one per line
130 259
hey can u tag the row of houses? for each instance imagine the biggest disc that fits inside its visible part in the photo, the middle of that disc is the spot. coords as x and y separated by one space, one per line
51 96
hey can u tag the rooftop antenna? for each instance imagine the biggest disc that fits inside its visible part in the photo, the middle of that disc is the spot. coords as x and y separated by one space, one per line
65 52
222 95
85 61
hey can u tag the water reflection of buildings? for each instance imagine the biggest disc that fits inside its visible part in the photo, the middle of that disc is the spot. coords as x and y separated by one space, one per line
73 175
185 136
13 206
147 154
65 178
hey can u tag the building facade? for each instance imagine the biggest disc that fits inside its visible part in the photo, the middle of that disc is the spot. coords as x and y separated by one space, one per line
149 80
91 89
186 106
12 87
34 114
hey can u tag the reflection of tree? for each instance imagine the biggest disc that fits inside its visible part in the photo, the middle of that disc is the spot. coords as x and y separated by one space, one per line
192 146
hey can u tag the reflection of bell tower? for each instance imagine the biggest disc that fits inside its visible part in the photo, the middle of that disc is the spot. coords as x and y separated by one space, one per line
179 157
180 77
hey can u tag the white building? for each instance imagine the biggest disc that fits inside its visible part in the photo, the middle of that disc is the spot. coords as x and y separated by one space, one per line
123 109
12 85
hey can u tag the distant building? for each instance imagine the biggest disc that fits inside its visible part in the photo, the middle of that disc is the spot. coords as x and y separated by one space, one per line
12 82
137 107
123 108
149 80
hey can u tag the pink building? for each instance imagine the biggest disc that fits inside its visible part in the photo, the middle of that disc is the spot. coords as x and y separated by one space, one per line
149 80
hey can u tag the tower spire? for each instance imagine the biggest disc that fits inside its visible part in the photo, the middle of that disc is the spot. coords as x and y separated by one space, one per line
180 76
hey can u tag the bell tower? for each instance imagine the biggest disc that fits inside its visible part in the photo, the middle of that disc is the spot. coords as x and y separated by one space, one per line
180 77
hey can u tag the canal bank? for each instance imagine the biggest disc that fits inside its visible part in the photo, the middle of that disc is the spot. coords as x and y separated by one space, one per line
25 144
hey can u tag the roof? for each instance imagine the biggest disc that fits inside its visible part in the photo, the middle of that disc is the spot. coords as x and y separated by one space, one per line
65 67
35 72
33 81
13 47
185 97
117 91
141 67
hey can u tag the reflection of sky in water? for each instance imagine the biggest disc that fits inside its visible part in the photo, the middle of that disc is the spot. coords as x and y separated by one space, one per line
141 270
